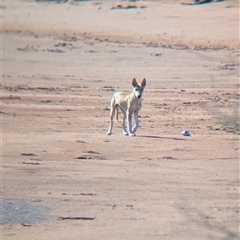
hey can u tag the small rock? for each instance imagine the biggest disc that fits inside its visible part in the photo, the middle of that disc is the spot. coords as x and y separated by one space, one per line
185 133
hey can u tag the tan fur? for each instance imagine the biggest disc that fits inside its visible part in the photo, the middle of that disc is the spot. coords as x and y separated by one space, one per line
128 104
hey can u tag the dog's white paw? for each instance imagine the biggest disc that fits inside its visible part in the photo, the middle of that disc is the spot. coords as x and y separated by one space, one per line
125 133
132 134
108 133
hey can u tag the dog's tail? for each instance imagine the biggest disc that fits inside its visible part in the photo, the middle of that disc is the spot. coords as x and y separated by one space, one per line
116 113
114 109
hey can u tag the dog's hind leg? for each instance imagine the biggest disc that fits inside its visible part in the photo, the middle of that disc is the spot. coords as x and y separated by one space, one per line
109 132
112 113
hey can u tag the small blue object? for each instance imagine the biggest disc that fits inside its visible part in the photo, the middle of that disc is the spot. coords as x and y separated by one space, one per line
185 133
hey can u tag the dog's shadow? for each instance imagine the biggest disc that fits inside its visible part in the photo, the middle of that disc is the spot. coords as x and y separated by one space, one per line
159 137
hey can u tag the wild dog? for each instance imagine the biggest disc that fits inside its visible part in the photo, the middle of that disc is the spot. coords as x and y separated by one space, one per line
128 104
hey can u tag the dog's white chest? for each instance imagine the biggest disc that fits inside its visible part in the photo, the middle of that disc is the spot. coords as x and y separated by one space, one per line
136 105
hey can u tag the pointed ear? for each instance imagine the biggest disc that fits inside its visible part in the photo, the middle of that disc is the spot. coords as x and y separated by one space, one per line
134 82
143 83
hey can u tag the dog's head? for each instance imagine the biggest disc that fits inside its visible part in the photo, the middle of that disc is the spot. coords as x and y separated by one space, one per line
138 89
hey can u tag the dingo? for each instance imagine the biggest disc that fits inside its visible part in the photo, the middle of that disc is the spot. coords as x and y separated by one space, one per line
128 104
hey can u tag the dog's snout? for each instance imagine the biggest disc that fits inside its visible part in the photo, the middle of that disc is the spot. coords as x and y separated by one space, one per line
139 96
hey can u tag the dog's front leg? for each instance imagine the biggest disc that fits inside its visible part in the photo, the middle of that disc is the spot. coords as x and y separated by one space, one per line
129 123
123 123
136 122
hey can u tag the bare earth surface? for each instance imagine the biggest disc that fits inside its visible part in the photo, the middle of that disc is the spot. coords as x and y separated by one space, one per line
61 63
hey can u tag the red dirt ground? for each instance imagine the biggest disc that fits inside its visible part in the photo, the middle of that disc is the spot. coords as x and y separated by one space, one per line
61 63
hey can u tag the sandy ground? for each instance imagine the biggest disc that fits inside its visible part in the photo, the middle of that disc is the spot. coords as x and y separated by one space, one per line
61 63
